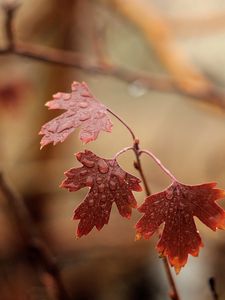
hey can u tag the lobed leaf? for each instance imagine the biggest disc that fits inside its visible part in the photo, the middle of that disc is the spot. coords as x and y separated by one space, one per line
108 183
82 110
175 207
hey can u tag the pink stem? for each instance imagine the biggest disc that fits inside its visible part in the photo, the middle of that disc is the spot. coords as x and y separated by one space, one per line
159 163
122 151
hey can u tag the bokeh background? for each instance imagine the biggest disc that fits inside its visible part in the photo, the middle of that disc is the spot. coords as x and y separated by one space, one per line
186 134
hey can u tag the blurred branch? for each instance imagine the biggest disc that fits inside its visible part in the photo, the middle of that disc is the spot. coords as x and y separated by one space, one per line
185 79
99 36
34 245
188 79
212 285
208 24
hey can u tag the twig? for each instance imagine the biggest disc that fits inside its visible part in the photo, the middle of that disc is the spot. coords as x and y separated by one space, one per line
167 84
137 164
207 24
212 285
158 32
159 163
10 9
31 237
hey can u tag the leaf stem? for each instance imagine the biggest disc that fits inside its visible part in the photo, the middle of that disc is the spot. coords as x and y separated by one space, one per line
137 164
159 163
122 151
123 122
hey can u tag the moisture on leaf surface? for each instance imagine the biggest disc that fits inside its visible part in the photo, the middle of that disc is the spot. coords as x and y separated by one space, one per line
108 183
175 207
82 110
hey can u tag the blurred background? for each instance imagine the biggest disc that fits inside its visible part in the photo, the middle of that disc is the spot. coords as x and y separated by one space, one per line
180 40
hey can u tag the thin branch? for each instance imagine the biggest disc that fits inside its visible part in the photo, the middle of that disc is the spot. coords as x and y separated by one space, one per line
158 32
31 237
159 163
166 84
123 122
137 164
212 285
122 151
211 23
10 9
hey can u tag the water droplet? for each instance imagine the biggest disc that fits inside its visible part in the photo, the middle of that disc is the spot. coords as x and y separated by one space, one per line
103 205
100 114
187 217
88 163
86 94
89 181
57 95
83 172
91 202
66 96
169 194
83 104
132 179
136 89
117 196
152 215
74 186
182 205
84 117
99 180
130 199
103 166
95 194
177 191
103 198
120 174
112 185
74 86
101 188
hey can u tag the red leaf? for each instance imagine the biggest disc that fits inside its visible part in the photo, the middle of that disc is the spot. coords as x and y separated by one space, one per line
108 183
82 110
176 207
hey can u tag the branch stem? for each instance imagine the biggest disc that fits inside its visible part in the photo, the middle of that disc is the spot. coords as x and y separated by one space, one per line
137 164
159 163
31 238
123 122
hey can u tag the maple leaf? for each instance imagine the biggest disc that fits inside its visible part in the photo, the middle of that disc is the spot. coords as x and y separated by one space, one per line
82 110
108 183
175 207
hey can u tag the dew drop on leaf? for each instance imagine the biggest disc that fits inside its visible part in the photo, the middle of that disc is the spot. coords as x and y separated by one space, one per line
84 117
88 163
180 236
89 181
83 172
101 176
83 104
136 89
101 188
91 202
103 166
112 185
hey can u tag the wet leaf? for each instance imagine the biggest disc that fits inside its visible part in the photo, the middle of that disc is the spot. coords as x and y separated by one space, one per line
176 207
108 183
82 110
